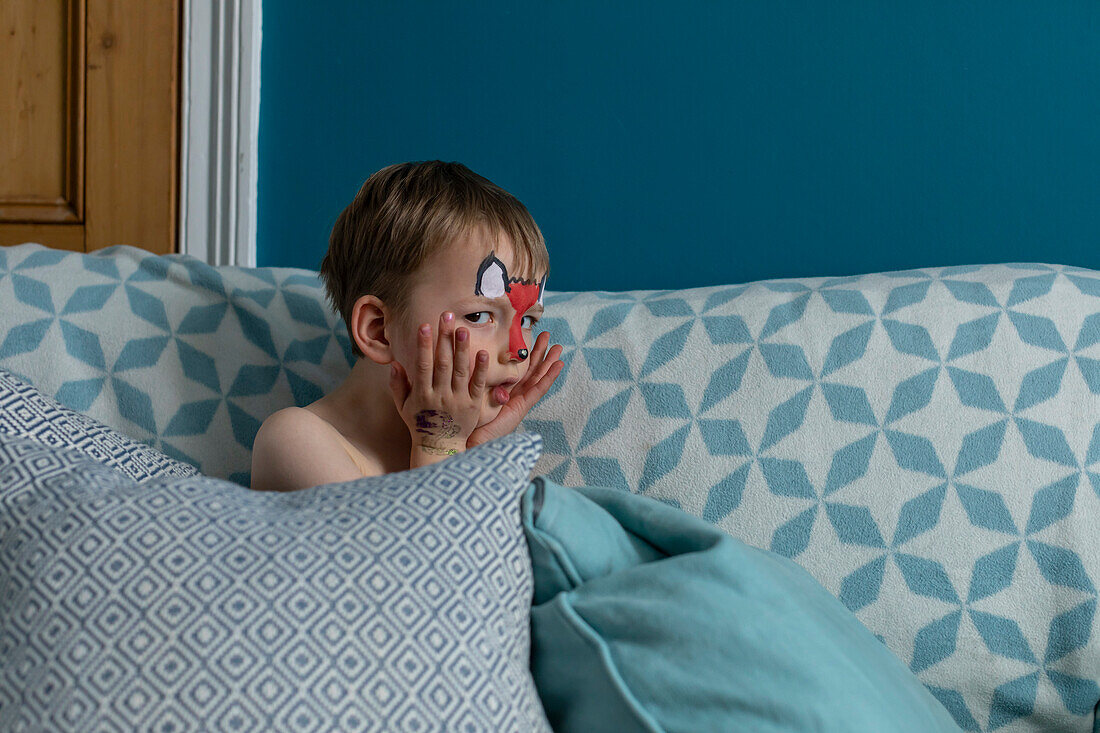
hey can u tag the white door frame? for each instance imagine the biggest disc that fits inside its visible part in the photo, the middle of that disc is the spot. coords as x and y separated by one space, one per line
220 130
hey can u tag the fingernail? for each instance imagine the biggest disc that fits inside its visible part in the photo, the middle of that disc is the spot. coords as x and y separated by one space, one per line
461 336
448 317
425 330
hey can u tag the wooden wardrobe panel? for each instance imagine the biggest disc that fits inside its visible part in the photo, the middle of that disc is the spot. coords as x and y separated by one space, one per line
89 123
133 60
41 110
58 236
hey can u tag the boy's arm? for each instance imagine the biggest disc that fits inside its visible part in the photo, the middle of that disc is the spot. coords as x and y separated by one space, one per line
288 455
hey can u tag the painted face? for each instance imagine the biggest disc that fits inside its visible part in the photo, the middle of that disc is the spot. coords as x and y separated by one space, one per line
493 282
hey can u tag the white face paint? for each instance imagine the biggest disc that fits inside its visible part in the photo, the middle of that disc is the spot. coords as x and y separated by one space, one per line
542 290
492 280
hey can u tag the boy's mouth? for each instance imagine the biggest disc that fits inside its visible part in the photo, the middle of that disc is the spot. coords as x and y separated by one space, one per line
500 392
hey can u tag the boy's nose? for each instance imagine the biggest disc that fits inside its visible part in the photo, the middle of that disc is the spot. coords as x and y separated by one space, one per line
516 346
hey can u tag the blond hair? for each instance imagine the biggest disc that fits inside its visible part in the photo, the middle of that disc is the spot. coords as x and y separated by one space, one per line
405 213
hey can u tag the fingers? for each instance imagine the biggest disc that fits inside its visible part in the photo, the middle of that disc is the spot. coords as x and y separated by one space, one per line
538 349
542 386
460 379
533 360
547 362
481 376
542 361
424 360
444 352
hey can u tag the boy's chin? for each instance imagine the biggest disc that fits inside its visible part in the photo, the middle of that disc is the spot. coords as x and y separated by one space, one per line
489 413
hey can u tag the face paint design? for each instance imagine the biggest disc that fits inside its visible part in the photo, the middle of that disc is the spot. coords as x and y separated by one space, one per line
493 282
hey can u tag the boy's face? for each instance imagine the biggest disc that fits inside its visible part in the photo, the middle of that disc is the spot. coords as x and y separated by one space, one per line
474 278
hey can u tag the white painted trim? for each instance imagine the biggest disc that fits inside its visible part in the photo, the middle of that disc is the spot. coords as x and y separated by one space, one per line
220 130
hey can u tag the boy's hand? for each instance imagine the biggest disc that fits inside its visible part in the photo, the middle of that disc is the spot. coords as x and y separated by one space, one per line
443 403
542 372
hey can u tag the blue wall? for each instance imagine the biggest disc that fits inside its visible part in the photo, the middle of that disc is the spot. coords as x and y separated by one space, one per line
668 145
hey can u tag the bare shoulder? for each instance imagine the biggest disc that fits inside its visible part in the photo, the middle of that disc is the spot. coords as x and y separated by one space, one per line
295 449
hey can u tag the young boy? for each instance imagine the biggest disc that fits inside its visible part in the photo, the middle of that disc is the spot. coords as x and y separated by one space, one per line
439 276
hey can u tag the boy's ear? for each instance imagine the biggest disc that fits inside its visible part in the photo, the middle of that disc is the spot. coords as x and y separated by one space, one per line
369 318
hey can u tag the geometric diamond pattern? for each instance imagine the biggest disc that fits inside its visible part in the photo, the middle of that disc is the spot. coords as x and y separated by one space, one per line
926 442
27 413
200 357
398 602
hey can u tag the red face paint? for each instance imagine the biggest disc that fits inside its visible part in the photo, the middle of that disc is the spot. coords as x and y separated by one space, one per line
492 282
521 297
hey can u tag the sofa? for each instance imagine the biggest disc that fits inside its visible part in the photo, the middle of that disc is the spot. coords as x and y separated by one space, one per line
923 444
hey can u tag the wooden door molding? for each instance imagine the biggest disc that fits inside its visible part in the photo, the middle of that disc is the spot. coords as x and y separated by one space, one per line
221 130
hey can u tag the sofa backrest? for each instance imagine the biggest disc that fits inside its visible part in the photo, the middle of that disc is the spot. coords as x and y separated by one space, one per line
926 443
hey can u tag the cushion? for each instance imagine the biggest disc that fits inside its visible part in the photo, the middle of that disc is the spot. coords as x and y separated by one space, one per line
26 412
649 619
926 443
398 602
167 349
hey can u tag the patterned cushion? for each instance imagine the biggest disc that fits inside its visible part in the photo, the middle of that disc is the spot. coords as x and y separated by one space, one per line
390 603
926 443
167 349
25 412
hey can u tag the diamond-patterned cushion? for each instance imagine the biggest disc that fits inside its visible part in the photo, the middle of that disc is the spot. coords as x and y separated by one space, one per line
388 603
27 413
924 442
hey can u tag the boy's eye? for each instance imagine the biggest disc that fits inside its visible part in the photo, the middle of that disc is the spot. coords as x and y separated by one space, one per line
472 316
533 321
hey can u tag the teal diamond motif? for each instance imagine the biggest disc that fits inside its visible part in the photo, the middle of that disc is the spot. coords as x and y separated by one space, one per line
727 330
607 364
88 298
665 348
725 380
786 361
725 496
905 295
665 400
724 437
139 353
849 463
910 338
203 318
32 292
663 457
847 348
602 472
973 336
192 418
936 641
848 403
847 301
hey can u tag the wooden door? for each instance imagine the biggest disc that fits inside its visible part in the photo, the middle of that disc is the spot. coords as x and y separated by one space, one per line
89 123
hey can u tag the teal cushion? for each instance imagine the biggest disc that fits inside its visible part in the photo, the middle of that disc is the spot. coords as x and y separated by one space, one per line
647 618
